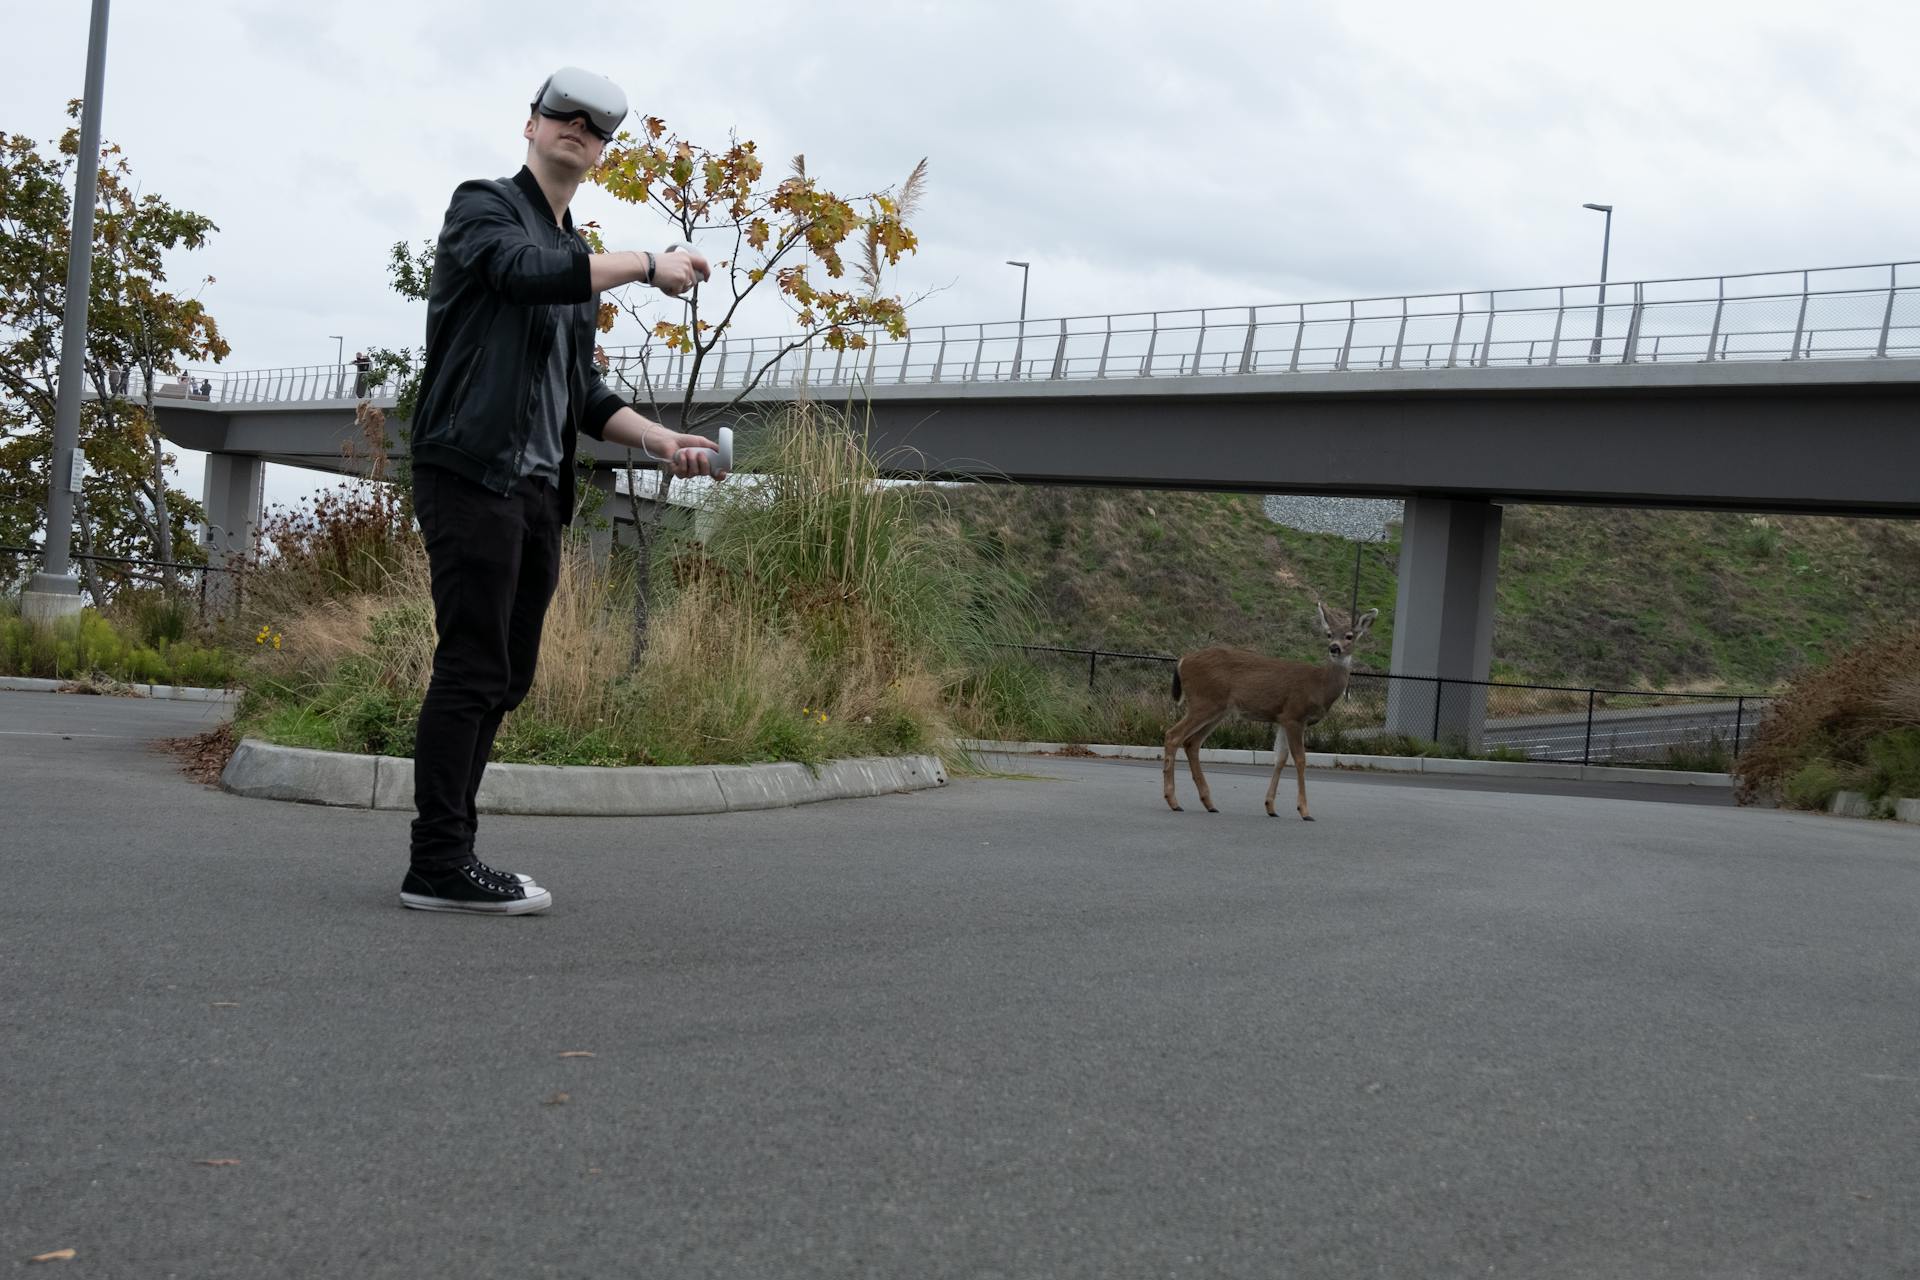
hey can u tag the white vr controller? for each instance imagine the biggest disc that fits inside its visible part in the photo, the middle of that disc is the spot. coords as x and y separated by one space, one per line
722 458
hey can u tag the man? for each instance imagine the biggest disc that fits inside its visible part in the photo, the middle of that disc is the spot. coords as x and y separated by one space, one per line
508 380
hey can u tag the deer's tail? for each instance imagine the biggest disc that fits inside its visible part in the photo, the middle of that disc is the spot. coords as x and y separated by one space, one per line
1176 682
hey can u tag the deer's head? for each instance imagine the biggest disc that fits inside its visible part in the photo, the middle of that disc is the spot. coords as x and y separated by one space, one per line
1341 640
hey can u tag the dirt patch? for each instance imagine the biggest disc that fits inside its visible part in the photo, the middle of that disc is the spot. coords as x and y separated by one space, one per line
204 756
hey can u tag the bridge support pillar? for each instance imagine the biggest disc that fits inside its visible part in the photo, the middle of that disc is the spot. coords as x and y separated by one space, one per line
599 526
232 495
1443 620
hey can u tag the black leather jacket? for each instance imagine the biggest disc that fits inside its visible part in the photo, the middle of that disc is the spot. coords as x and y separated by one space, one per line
504 278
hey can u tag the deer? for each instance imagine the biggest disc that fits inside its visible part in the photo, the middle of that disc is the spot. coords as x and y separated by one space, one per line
1219 680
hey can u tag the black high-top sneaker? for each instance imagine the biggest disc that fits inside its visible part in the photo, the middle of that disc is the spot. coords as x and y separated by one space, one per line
473 887
520 876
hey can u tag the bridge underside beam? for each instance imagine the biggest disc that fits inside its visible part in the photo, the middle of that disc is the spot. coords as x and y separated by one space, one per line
1850 453
1835 450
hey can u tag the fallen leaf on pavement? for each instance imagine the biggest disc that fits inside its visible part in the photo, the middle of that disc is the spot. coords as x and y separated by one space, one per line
223 1160
58 1255
226 1004
204 756
559 1099
576 1053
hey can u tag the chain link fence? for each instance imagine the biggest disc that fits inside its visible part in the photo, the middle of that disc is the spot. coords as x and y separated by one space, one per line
1387 714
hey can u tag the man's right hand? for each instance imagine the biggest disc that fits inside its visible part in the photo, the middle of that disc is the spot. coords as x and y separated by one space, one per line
675 273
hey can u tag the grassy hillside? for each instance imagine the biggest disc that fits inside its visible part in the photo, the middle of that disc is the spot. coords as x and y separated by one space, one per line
1586 595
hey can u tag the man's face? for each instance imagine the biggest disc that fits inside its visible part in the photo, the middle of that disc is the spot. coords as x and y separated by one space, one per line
570 145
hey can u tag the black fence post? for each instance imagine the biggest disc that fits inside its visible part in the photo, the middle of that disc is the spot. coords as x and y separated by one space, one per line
1093 665
1439 691
1739 716
1586 747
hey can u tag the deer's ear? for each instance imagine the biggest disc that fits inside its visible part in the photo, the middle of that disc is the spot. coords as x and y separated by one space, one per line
1366 621
1322 611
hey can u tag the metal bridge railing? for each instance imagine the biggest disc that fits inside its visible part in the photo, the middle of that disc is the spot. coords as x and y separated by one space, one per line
294 385
1861 312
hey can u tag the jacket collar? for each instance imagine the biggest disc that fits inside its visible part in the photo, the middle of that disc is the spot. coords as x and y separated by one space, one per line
530 188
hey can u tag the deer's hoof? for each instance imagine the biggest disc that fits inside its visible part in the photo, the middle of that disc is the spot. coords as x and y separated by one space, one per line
1211 809
1176 808
1306 817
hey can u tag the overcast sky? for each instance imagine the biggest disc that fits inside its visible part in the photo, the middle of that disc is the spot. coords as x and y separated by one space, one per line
1141 156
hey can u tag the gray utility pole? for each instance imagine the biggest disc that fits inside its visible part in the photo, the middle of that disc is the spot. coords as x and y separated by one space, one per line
1600 314
54 592
1020 343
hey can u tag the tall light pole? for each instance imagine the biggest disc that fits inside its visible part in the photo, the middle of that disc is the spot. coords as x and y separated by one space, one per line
339 364
54 592
1020 342
1606 241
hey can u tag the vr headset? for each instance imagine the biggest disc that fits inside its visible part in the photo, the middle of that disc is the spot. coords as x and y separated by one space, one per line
571 92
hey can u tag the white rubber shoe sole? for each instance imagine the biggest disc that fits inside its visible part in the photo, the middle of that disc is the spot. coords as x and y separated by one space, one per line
537 899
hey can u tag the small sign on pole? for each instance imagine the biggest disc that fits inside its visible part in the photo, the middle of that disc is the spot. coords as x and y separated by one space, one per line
77 471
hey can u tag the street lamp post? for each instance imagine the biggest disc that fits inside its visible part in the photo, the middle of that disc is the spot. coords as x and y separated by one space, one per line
55 591
339 365
1020 343
1606 241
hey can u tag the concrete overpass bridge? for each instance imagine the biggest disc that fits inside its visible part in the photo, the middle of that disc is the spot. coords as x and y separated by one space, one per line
1790 391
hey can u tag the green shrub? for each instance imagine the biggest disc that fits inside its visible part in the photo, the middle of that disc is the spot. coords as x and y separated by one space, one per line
1760 541
153 616
1894 759
89 645
1813 785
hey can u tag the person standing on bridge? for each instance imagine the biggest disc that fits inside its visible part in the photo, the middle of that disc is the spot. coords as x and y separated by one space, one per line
508 380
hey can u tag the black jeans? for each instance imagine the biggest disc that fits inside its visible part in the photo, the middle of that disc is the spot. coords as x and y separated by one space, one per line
494 561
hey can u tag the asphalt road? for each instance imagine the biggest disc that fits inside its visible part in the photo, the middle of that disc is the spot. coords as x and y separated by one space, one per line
1014 1028
1636 734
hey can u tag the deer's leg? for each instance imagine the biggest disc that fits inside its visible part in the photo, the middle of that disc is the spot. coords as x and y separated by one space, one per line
1297 740
1193 742
1176 736
1280 747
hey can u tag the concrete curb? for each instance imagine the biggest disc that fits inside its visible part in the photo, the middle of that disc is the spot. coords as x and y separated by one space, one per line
170 692
1855 804
1850 804
1382 764
268 772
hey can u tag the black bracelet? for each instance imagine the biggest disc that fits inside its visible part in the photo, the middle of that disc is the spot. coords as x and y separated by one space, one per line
649 279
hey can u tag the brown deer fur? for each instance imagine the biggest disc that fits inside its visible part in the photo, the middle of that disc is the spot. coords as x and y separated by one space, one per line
1219 681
